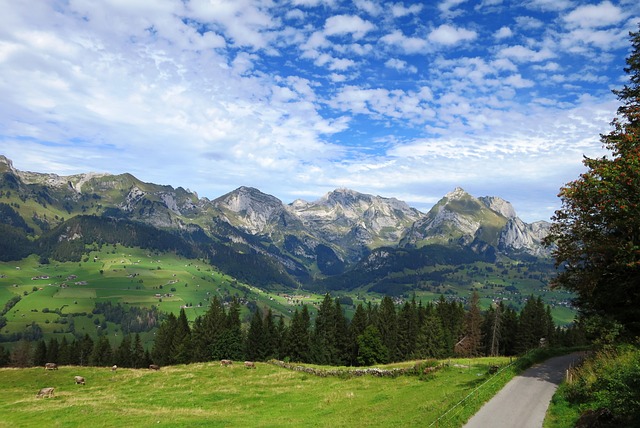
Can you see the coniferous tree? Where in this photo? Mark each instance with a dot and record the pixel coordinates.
(64, 352)
(282, 334)
(52, 350)
(341, 336)
(137, 353)
(472, 344)
(299, 336)
(40, 357)
(359, 323)
(324, 346)
(84, 348)
(408, 328)
(182, 340)
(122, 354)
(256, 338)
(102, 354)
(387, 324)
(371, 349)
(163, 346)
(431, 341)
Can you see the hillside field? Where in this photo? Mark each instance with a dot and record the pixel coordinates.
(207, 394)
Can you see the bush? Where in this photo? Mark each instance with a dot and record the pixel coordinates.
(610, 379)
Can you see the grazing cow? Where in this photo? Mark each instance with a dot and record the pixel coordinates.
(79, 380)
(250, 364)
(154, 367)
(114, 368)
(226, 362)
(45, 392)
(51, 366)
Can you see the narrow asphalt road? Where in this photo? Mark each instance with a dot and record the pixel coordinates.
(523, 402)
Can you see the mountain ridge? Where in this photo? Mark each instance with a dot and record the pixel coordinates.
(319, 239)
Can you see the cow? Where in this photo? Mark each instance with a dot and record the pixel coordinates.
(45, 392)
(250, 364)
(114, 368)
(154, 367)
(226, 362)
(51, 366)
(79, 380)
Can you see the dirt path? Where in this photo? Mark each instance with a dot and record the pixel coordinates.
(523, 402)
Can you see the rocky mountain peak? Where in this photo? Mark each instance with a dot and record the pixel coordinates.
(456, 194)
(499, 205)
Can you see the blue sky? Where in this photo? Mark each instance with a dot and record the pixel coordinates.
(300, 97)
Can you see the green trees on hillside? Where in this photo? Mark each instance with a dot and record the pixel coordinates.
(597, 229)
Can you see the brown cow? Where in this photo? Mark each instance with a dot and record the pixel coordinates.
(250, 364)
(51, 366)
(79, 380)
(226, 362)
(154, 367)
(45, 392)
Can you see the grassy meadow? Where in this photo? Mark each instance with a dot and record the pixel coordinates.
(208, 394)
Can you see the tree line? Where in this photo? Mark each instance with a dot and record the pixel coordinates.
(376, 334)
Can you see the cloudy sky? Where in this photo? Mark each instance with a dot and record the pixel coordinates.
(299, 97)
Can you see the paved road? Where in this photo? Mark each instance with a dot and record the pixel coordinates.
(523, 402)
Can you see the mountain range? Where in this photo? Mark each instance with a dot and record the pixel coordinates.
(344, 240)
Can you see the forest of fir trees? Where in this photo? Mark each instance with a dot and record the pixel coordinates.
(377, 334)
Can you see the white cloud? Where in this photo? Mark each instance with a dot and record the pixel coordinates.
(409, 45)
(521, 53)
(400, 65)
(345, 24)
(594, 16)
(448, 35)
(503, 33)
(399, 10)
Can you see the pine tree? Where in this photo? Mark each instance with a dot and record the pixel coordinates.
(163, 345)
(299, 336)
(123, 352)
(431, 342)
(182, 353)
(137, 353)
(387, 325)
(472, 346)
(256, 338)
(102, 354)
(40, 357)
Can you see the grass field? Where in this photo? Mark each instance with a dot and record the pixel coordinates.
(210, 395)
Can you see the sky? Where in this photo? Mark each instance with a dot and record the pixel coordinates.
(300, 97)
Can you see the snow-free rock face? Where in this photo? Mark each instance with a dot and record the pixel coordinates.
(253, 211)
(368, 219)
(499, 205)
(517, 236)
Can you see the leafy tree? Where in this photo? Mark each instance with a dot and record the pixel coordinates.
(596, 231)
(163, 347)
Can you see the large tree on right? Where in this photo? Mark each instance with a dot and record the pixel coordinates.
(596, 232)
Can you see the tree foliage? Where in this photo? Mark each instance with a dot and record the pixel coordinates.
(596, 232)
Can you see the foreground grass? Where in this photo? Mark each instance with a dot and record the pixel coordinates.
(209, 395)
